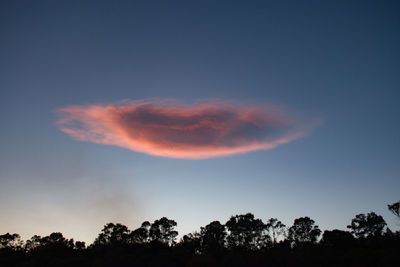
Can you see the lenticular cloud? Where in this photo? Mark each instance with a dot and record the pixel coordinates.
(169, 129)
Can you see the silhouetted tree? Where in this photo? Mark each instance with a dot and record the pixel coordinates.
(370, 225)
(395, 209)
(337, 238)
(303, 231)
(112, 235)
(275, 229)
(191, 243)
(80, 245)
(163, 231)
(213, 237)
(141, 234)
(56, 241)
(248, 239)
(246, 232)
(11, 242)
(33, 243)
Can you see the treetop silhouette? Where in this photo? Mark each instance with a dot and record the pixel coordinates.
(242, 237)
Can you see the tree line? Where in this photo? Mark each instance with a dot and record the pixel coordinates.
(242, 241)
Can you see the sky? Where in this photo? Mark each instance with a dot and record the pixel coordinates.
(127, 111)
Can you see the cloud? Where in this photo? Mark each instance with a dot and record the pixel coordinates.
(167, 128)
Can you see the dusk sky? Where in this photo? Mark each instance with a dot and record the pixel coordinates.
(127, 111)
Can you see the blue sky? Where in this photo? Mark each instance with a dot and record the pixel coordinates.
(338, 61)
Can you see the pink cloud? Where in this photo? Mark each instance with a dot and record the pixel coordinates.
(169, 129)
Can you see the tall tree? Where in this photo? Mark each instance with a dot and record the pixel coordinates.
(163, 231)
(112, 235)
(213, 237)
(141, 234)
(370, 225)
(275, 229)
(246, 232)
(304, 231)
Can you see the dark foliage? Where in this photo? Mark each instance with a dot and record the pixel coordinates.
(369, 225)
(303, 232)
(246, 232)
(212, 238)
(242, 241)
(395, 209)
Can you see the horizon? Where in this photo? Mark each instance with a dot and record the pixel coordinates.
(181, 235)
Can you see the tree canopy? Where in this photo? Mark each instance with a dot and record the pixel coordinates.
(369, 225)
(304, 230)
(243, 240)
